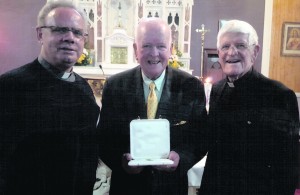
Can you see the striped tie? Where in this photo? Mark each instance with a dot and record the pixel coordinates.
(152, 102)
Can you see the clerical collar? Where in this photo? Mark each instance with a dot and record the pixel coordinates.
(239, 80)
(230, 84)
(66, 76)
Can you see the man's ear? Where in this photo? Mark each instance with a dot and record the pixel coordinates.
(39, 34)
(255, 53)
(135, 50)
(256, 50)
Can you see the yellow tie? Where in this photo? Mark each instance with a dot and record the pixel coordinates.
(152, 102)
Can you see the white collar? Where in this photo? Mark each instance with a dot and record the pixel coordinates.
(66, 75)
(158, 82)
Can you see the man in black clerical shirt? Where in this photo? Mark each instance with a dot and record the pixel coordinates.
(48, 113)
(255, 123)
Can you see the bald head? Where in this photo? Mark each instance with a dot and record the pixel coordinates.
(153, 44)
(154, 24)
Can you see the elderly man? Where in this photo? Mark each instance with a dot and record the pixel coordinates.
(255, 123)
(48, 114)
(181, 101)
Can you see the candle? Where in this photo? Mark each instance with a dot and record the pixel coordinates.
(207, 89)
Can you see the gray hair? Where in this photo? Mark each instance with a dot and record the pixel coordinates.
(51, 5)
(238, 26)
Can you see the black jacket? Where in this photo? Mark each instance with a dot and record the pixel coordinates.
(254, 138)
(47, 132)
(182, 100)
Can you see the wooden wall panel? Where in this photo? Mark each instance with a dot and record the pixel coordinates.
(284, 68)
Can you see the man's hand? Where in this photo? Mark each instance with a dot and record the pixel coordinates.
(174, 156)
(130, 169)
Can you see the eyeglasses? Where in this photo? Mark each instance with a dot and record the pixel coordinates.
(63, 30)
(238, 47)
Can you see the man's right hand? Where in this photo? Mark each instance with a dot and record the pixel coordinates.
(130, 169)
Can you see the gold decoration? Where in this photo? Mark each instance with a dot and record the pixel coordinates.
(174, 58)
(85, 58)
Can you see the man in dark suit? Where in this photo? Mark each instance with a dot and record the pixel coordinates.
(181, 101)
(255, 123)
(48, 114)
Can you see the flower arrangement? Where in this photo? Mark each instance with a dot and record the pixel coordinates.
(173, 60)
(85, 58)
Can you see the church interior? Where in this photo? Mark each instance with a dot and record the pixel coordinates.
(194, 24)
(111, 33)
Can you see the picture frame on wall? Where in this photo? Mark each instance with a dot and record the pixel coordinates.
(290, 42)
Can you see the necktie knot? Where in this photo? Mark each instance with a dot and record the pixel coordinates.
(152, 86)
(152, 102)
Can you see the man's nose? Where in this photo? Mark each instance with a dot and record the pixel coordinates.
(69, 36)
(232, 50)
(154, 51)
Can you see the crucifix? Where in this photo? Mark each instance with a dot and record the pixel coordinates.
(202, 31)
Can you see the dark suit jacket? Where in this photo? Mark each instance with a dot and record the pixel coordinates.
(123, 100)
(47, 127)
(254, 136)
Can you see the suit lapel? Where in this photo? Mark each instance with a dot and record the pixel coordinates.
(164, 103)
(139, 100)
(138, 104)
